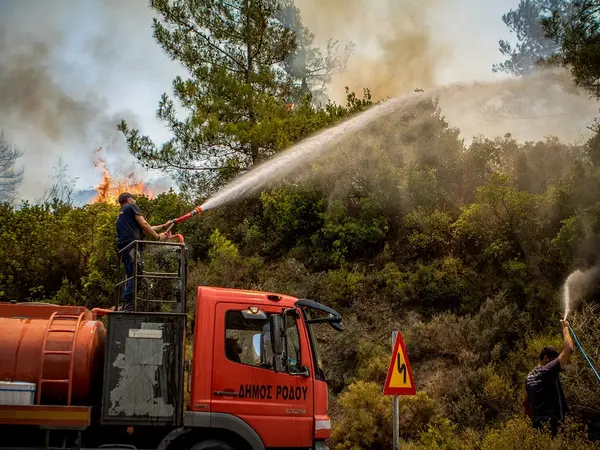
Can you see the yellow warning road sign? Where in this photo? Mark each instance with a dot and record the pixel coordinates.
(399, 379)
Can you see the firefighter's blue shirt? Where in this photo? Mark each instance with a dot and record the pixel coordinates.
(128, 230)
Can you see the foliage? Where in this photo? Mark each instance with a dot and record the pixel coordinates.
(584, 388)
(247, 61)
(518, 433)
(402, 226)
(533, 47)
(308, 68)
(55, 249)
(577, 34)
(367, 422)
(441, 434)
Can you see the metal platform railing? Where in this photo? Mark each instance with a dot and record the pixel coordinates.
(171, 300)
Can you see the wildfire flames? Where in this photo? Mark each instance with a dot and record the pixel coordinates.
(109, 188)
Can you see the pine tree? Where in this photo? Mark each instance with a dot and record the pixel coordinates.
(533, 47)
(308, 67)
(238, 54)
(578, 36)
(10, 176)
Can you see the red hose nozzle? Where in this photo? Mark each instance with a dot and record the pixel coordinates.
(173, 222)
(193, 212)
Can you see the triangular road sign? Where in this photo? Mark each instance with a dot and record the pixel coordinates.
(399, 379)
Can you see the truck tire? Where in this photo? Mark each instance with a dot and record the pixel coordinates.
(212, 444)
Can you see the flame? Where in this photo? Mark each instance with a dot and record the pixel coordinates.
(109, 188)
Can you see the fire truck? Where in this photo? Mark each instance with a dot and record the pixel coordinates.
(248, 378)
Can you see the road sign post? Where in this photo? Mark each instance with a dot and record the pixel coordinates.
(399, 381)
(396, 407)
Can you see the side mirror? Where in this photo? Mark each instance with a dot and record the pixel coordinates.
(277, 340)
(337, 325)
(333, 317)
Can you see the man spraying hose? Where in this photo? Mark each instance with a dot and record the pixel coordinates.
(545, 400)
(130, 227)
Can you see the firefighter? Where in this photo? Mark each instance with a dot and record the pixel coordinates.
(130, 227)
(544, 399)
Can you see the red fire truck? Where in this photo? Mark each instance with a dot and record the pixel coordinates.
(71, 377)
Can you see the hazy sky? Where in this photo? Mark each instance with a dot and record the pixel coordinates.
(70, 69)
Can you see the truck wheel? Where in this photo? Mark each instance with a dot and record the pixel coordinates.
(212, 444)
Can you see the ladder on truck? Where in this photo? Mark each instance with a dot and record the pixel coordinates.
(60, 323)
(57, 318)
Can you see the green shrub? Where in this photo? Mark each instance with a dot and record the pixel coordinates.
(518, 434)
(366, 421)
(441, 434)
(373, 361)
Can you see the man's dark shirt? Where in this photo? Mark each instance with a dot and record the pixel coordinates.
(128, 230)
(545, 393)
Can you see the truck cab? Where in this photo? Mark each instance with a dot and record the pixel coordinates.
(266, 379)
(108, 378)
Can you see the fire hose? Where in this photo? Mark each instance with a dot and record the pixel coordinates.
(173, 222)
(584, 353)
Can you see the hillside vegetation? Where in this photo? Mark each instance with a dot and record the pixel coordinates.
(462, 247)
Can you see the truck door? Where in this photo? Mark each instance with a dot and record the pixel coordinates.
(245, 383)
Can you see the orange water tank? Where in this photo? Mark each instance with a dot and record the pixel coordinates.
(65, 342)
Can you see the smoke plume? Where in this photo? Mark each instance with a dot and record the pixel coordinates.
(538, 105)
(401, 54)
(59, 79)
(53, 79)
(403, 45)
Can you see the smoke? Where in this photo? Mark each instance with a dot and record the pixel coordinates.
(69, 70)
(398, 52)
(543, 103)
(53, 76)
(403, 45)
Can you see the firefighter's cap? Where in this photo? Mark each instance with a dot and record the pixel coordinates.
(124, 197)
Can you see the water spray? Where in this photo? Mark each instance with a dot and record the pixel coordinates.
(567, 300)
(576, 284)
